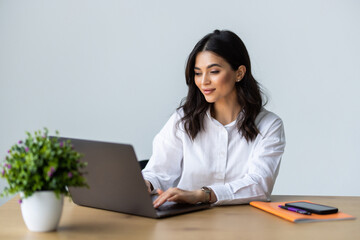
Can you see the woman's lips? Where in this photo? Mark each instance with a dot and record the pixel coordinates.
(208, 91)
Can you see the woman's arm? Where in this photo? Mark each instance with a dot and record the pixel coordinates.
(164, 167)
(183, 196)
(263, 169)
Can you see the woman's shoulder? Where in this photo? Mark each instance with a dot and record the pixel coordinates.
(174, 121)
(267, 115)
(176, 116)
(266, 119)
(179, 112)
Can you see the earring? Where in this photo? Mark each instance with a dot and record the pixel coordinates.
(238, 80)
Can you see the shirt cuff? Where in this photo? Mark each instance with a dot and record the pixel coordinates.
(154, 182)
(223, 193)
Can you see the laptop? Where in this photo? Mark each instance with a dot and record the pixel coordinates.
(116, 183)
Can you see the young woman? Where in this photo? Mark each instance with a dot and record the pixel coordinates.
(220, 146)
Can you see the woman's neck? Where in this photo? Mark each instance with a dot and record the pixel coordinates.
(225, 112)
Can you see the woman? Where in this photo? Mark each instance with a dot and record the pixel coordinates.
(221, 146)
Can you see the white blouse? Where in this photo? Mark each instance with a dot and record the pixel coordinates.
(219, 158)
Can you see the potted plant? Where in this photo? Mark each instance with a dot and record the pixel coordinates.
(41, 168)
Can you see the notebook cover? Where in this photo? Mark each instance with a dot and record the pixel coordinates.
(273, 207)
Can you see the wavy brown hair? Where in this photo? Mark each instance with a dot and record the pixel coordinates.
(230, 47)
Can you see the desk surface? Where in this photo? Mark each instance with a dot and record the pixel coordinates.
(224, 222)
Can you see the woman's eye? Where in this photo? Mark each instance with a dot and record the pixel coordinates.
(197, 74)
(215, 72)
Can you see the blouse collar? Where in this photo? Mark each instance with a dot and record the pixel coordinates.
(233, 123)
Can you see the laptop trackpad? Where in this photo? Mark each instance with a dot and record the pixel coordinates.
(172, 208)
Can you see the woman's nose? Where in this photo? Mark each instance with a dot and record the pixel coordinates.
(205, 79)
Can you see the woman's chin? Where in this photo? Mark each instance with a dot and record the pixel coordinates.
(209, 99)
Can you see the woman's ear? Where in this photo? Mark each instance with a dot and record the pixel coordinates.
(240, 73)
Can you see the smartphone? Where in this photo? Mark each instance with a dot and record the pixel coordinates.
(313, 208)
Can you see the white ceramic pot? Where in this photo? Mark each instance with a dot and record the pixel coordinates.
(42, 211)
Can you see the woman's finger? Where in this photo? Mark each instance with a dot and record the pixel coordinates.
(165, 196)
(160, 200)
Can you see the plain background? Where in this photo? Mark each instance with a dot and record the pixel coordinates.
(114, 71)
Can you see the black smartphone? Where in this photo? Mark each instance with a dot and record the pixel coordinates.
(313, 207)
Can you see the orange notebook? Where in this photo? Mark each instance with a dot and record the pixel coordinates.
(273, 207)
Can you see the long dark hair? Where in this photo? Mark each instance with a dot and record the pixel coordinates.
(230, 47)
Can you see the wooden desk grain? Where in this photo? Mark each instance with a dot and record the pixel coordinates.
(225, 222)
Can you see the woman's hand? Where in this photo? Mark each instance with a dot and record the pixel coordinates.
(180, 196)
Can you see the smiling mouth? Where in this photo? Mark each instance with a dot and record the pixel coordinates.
(208, 91)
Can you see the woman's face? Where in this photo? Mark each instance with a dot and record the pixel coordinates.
(215, 78)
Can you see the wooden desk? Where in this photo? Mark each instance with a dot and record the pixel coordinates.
(226, 222)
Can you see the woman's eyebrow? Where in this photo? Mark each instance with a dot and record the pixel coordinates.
(214, 65)
(210, 66)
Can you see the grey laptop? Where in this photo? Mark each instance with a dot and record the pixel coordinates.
(116, 183)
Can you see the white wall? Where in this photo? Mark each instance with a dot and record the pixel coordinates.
(114, 71)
